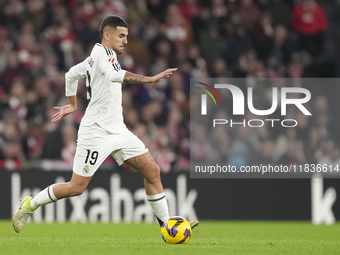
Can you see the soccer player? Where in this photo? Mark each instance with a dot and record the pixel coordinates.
(102, 131)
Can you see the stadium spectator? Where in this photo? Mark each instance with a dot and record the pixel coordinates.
(4, 47)
(209, 37)
(137, 47)
(310, 21)
(250, 13)
(189, 9)
(12, 72)
(279, 47)
(263, 33)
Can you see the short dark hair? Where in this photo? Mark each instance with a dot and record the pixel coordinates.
(111, 21)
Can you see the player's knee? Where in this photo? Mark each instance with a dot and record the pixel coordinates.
(153, 174)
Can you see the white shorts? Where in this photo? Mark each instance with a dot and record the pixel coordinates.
(95, 144)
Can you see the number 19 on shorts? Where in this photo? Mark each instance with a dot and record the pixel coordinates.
(91, 157)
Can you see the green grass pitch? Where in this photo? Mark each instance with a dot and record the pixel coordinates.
(210, 237)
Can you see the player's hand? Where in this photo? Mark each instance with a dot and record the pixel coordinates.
(63, 111)
(163, 75)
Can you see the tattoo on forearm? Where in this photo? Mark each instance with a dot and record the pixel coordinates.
(130, 77)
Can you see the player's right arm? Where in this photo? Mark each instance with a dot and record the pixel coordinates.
(71, 84)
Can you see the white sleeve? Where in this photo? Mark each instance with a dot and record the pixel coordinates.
(112, 70)
(72, 76)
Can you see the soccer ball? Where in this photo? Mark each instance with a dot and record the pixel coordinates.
(176, 230)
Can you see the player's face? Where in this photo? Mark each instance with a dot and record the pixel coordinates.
(118, 39)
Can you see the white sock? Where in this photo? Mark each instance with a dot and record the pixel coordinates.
(159, 207)
(44, 197)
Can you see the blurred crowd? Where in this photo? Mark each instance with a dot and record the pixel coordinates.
(41, 39)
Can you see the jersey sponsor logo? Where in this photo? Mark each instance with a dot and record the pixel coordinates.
(111, 60)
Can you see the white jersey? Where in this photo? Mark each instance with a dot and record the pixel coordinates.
(103, 81)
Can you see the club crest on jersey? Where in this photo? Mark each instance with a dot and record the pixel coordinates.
(86, 169)
(111, 59)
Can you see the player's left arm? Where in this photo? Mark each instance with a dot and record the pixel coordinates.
(116, 74)
(135, 78)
